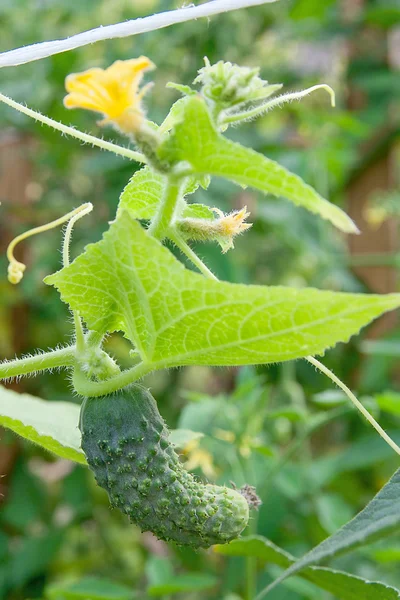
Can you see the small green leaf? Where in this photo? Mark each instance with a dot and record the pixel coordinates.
(190, 582)
(177, 317)
(158, 569)
(90, 588)
(293, 414)
(389, 402)
(195, 140)
(341, 585)
(51, 425)
(142, 195)
(176, 112)
(329, 398)
(381, 517)
(197, 211)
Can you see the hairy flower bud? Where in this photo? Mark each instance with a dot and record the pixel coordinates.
(222, 230)
(227, 85)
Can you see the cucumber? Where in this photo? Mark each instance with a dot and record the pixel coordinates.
(126, 444)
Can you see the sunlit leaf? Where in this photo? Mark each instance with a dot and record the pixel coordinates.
(196, 141)
(130, 282)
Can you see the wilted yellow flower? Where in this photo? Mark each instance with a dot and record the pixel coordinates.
(114, 92)
(233, 223)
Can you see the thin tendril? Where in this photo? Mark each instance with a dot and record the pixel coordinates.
(263, 108)
(16, 269)
(80, 212)
(355, 401)
(185, 248)
(85, 209)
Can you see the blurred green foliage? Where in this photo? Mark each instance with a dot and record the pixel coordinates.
(314, 463)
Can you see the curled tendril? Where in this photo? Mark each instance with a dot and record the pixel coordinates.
(16, 268)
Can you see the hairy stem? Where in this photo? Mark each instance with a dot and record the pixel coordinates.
(79, 135)
(355, 401)
(94, 339)
(191, 255)
(165, 214)
(84, 387)
(65, 357)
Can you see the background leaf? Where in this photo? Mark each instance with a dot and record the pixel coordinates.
(379, 518)
(343, 585)
(188, 582)
(181, 437)
(90, 588)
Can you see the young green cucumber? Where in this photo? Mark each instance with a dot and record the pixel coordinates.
(126, 444)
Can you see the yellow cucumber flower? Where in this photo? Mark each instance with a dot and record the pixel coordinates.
(114, 92)
(199, 458)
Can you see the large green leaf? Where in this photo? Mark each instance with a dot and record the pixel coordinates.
(54, 425)
(130, 282)
(51, 425)
(381, 517)
(196, 141)
(341, 585)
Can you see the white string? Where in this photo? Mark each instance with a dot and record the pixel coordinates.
(40, 50)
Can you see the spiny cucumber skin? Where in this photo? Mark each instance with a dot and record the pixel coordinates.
(126, 444)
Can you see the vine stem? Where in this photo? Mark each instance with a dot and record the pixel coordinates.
(355, 401)
(79, 135)
(191, 255)
(165, 214)
(85, 387)
(37, 51)
(65, 357)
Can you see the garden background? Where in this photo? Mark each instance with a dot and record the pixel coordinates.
(282, 428)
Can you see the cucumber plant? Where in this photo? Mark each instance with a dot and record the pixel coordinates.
(130, 282)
